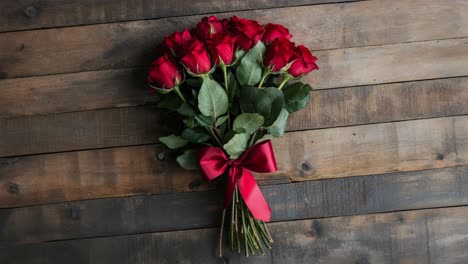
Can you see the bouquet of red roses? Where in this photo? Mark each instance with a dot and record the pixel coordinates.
(225, 86)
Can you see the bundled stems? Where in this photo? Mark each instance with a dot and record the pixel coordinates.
(245, 232)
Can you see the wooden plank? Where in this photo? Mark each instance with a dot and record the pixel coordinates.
(73, 92)
(79, 130)
(422, 236)
(313, 199)
(337, 107)
(131, 126)
(129, 44)
(31, 14)
(301, 156)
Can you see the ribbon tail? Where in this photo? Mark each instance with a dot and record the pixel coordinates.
(253, 196)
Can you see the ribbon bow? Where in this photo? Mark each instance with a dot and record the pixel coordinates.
(259, 158)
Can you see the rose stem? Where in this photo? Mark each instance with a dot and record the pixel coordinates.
(221, 234)
(236, 201)
(177, 91)
(268, 233)
(284, 81)
(265, 74)
(226, 86)
(211, 131)
(231, 225)
(244, 230)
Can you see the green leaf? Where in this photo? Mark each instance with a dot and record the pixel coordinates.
(205, 121)
(221, 120)
(239, 54)
(188, 160)
(233, 86)
(189, 122)
(278, 127)
(236, 145)
(268, 102)
(212, 99)
(173, 141)
(296, 96)
(249, 71)
(186, 110)
(170, 101)
(249, 122)
(195, 135)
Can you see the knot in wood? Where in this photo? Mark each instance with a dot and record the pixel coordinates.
(30, 11)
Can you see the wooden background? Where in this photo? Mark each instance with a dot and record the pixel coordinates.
(374, 170)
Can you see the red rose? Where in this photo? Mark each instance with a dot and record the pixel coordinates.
(196, 58)
(248, 32)
(274, 31)
(176, 42)
(207, 26)
(221, 47)
(303, 62)
(278, 54)
(164, 73)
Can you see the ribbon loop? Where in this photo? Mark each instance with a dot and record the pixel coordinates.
(259, 158)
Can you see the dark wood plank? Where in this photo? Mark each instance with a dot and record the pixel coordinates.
(73, 92)
(31, 14)
(422, 236)
(79, 130)
(128, 44)
(138, 125)
(301, 156)
(313, 199)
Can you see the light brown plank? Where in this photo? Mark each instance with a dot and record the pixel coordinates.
(136, 125)
(165, 212)
(413, 237)
(301, 156)
(128, 44)
(31, 14)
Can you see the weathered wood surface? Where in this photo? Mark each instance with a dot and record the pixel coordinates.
(129, 44)
(304, 155)
(32, 14)
(423, 236)
(139, 125)
(79, 130)
(313, 199)
(73, 92)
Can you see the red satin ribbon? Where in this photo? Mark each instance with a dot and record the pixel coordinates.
(259, 158)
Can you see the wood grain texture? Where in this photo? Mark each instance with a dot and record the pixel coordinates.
(313, 199)
(301, 156)
(423, 236)
(73, 92)
(329, 107)
(32, 14)
(129, 44)
(79, 130)
(139, 125)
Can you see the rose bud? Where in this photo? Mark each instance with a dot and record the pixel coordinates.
(196, 58)
(248, 32)
(176, 42)
(207, 26)
(164, 73)
(303, 62)
(221, 48)
(274, 31)
(278, 54)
